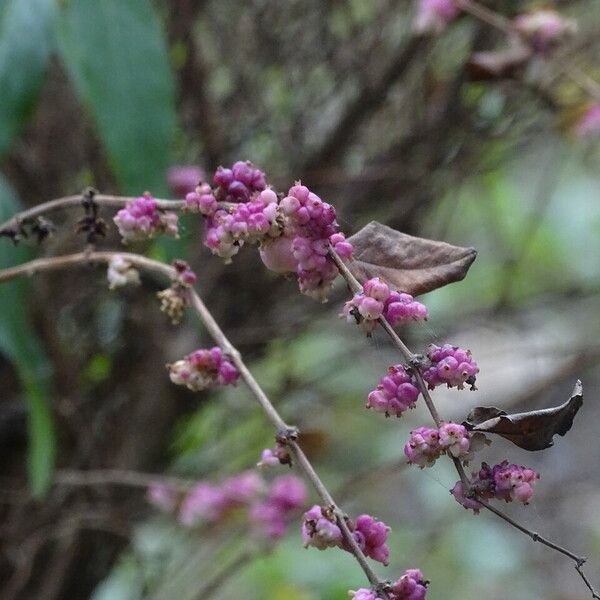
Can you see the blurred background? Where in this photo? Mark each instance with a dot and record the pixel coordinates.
(414, 128)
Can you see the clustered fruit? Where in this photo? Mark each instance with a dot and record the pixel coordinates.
(203, 369)
(411, 586)
(319, 529)
(141, 219)
(451, 366)
(426, 444)
(267, 507)
(395, 393)
(377, 300)
(296, 233)
(501, 482)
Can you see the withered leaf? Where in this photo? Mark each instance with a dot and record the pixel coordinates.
(496, 64)
(532, 430)
(408, 264)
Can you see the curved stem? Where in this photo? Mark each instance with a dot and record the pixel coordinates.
(141, 262)
(355, 286)
(73, 201)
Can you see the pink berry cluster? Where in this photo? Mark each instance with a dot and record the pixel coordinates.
(426, 444)
(433, 16)
(203, 369)
(267, 506)
(141, 219)
(395, 393)
(450, 365)
(411, 586)
(247, 222)
(249, 215)
(319, 529)
(377, 300)
(504, 481)
(309, 226)
(239, 183)
(294, 232)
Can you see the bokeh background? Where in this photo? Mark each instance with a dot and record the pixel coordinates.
(381, 122)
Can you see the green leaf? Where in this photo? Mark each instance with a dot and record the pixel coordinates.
(26, 38)
(116, 56)
(21, 346)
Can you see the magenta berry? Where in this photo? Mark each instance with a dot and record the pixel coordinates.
(238, 183)
(423, 448)
(401, 308)
(377, 300)
(141, 219)
(371, 536)
(320, 530)
(450, 365)
(396, 392)
(504, 481)
(411, 586)
(426, 445)
(203, 369)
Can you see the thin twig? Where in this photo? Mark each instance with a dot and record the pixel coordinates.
(141, 262)
(72, 201)
(121, 477)
(410, 357)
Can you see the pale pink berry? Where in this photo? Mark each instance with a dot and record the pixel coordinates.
(277, 255)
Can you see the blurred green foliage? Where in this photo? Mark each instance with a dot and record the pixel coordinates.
(19, 342)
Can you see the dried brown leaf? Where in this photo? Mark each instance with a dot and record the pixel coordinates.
(532, 430)
(406, 263)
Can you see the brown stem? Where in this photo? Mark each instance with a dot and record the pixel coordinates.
(72, 201)
(409, 356)
(61, 262)
(121, 477)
